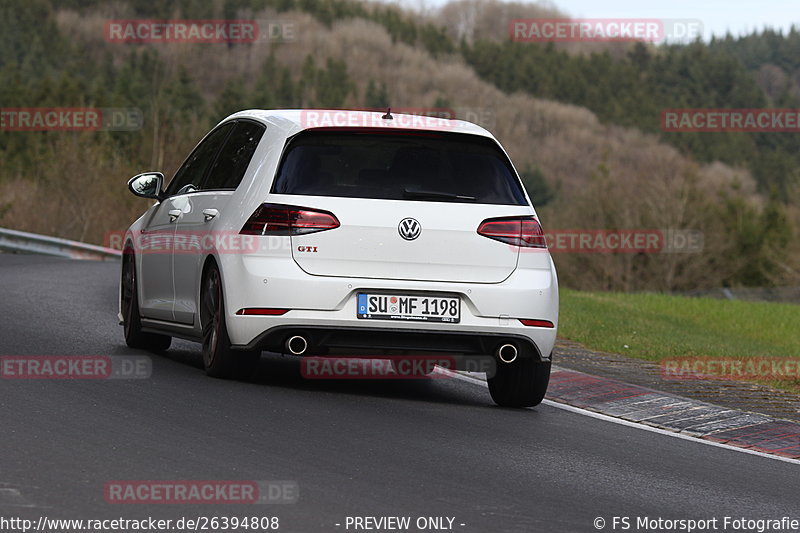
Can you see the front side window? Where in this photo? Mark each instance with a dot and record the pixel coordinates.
(191, 174)
(232, 162)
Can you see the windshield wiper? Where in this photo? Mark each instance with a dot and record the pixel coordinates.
(417, 193)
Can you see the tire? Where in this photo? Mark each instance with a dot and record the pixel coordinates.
(522, 383)
(219, 359)
(131, 319)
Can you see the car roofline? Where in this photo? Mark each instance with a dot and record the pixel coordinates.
(293, 121)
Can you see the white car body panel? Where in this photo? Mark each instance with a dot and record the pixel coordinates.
(368, 244)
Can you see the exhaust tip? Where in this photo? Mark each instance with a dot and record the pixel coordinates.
(507, 353)
(297, 345)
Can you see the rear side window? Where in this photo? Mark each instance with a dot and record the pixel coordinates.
(438, 167)
(232, 162)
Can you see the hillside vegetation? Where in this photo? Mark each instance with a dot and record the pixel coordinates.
(589, 156)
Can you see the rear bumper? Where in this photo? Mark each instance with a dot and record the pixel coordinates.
(382, 341)
(323, 309)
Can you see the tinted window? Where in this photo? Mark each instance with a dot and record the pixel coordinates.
(397, 166)
(191, 174)
(229, 168)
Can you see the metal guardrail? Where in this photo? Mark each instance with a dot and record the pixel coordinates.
(33, 243)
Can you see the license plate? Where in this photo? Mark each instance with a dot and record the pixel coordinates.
(399, 307)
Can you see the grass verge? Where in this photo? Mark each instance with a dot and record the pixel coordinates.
(658, 326)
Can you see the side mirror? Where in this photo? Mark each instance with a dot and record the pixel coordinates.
(147, 185)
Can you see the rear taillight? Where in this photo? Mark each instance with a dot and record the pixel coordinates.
(519, 231)
(276, 219)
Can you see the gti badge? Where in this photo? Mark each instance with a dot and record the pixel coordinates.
(409, 229)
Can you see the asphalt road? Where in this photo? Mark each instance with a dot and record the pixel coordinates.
(403, 448)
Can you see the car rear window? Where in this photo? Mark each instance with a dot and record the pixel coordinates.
(439, 167)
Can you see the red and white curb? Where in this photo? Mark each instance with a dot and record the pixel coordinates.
(636, 406)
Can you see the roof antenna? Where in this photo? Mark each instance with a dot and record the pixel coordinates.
(388, 115)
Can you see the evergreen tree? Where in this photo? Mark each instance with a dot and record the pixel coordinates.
(377, 96)
(333, 84)
(540, 192)
(231, 100)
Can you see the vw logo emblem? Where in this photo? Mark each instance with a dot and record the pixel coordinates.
(409, 228)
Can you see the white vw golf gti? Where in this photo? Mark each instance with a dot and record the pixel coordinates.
(344, 233)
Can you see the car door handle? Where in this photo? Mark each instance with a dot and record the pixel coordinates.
(174, 214)
(208, 214)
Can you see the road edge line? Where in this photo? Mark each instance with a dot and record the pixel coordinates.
(628, 423)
